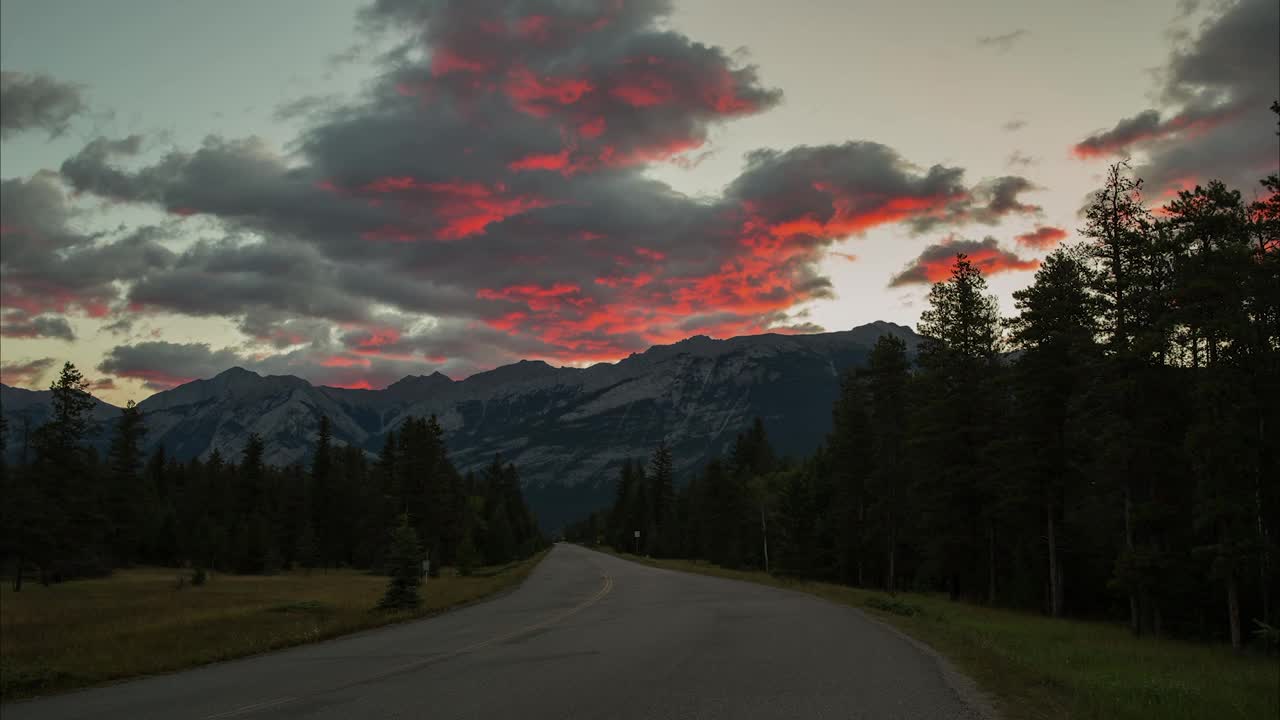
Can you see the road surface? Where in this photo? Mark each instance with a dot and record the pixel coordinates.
(586, 636)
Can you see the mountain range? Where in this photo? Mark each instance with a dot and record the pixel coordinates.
(566, 428)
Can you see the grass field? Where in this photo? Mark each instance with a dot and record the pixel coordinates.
(137, 622)
(1039, 668)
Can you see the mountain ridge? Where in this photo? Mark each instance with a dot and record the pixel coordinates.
(566, 428)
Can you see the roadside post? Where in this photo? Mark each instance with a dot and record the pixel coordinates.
(637, 535)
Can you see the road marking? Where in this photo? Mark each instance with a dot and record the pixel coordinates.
(605, 589)
(251, 708)
(600, 594)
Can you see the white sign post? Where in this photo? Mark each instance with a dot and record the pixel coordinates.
(637, 536)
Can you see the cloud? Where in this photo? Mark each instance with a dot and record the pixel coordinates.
(48, 265)
(1017, 158)
(1042, 238)
(26, 373)
(1014, 125)
(934, 264)
(303, 106)
(987, 202)
(1213, 120)
(17, 324)
(486, 199)
(1003, 43)
(37, 102)
(163, 365)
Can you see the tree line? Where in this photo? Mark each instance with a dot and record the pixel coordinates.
(69, 512)
(1109, 451)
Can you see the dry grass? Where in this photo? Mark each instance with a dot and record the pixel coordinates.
(137, 622)
(1037, 667)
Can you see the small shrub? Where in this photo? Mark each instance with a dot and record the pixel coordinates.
(198, 577)
(1268, 634)
(468, 556)
(303, 607)
(404, 565)
(894, 605)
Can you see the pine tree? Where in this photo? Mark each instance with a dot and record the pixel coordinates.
(662, 483)
(404, 565)
(307, 552)
(1055, 331)
(69, 512)
(886, 378)
(1128, 282)
(325, 509)
(958, 362)
(126, 501)
(850, 446)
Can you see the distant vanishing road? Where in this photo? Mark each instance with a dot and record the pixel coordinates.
(586, 636)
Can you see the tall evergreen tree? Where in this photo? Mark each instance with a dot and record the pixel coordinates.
(1055, 331)
(127, 501)
(886, 377)
(958, 359)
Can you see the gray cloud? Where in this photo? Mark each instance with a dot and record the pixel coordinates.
(37, 102)
(24, 373)
(934, 263)
(1003, 43)
(47, 265)
(1215, 90)
(18, 324)
(1017, 158)
(488, 202)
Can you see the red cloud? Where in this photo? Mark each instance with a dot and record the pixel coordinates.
(449, 210)
(1042, 237)
(934, 264)
(343, 361)
(538, 95)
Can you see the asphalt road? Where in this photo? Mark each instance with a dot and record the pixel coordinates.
(586, 636)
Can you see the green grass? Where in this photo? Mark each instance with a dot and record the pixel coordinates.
(137, 622)
(1037, 667)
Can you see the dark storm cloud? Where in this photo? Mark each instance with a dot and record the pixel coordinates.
(934, 263)
(18, 324)
(1002, 43)
(1215, 90)
(485, 200)
(48, 265)
(36, 102)
(162, 365)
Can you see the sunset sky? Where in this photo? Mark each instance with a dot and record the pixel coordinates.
(355, 192)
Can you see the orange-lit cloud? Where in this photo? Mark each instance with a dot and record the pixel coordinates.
(934, 264)
(1042, 237)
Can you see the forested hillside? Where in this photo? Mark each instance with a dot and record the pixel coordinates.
(1109, 451)
(69, 512)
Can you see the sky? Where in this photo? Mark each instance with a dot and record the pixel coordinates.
(352, 192)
